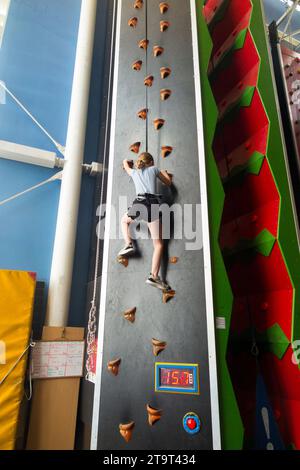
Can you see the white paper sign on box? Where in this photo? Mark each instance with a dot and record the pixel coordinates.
(54, 359)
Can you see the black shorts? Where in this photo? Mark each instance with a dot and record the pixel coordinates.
(145, 207)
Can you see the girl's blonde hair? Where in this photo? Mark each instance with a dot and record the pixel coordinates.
(144, 160)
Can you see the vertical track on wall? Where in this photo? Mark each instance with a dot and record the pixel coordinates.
(147, 89)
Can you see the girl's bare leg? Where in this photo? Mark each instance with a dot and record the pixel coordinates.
(125, 223)
(155, 230)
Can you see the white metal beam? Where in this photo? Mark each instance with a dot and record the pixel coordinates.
(30, 155)
(66, 228)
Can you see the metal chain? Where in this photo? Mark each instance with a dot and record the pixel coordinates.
(90, 340)
(92, 321)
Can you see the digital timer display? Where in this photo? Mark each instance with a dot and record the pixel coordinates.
(177, 378)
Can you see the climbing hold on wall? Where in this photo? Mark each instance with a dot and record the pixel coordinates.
(143, 44)
(173, 260)
(166, 151)
(132, 22)
(158, 346)
(138, 4)
(123, 261)
(165, 94)
(137, 65)
(149, 80)
(164, 25)
(129, 315)
(142, 114)
(154, 415)
(168, 295)
(126, 430)
(164, 7)
(165, 72)
(135, 148)
(113, 366)
(157, 51)
(158, 123)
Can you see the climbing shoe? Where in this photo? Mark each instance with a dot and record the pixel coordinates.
(127, 250)
(157, 282)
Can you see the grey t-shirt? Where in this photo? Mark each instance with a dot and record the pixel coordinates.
(145, 180)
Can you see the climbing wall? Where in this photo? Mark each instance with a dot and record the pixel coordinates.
(254, 241)
(140, 326)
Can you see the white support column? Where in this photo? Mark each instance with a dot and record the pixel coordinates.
(65, 237)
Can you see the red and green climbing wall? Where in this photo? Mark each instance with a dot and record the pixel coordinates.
(255, 250)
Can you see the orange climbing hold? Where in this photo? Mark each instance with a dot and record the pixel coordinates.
(158, 123)
(154, 415)
(126, 430)
(129, 315)
(164, 25)
(132, 22)
(165, 72)
(135, 148)
(166, 151)
(123, 261)
(137, 65)
(113, 366)
(165, 94)
(142, 114)
(138, 4)
(158, 346)
(168, 295)
(157, 51)
(149, 80)
(164, 7)
(143, 44)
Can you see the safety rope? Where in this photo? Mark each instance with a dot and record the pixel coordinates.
(30, 370)
(92, 321)
(31, 345)
(39, 185)
(57, 144)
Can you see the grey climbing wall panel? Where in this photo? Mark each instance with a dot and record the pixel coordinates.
(182, 322)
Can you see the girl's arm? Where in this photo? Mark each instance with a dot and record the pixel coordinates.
(127, 165)
(165, 177)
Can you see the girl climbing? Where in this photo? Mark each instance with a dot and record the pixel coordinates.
(146, 207)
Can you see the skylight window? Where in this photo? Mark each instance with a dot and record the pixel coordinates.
(4, 8)
(290, 3)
